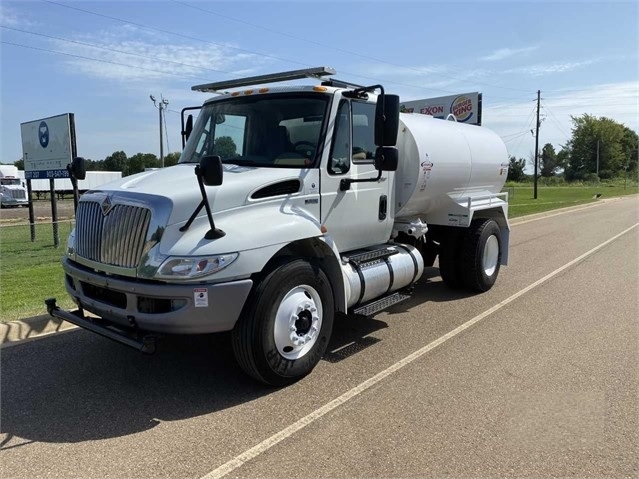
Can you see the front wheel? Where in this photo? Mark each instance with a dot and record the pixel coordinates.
(286, 325)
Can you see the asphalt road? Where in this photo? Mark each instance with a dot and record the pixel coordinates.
(546, 383)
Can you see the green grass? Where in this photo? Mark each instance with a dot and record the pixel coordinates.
(552, 197)
(30, 272)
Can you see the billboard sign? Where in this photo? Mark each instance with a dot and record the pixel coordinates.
(48, 146)
(466, 107)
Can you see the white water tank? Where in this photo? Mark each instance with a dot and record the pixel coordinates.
(441, 161)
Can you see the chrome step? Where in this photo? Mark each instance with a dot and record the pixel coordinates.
(381, 304)
(368, 256)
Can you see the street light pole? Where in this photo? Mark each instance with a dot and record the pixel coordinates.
(161, 106)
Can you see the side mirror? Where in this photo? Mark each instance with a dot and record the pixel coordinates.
(210, 170)
(77, 168)
(189, 127)
(386, 158)
(386, 120)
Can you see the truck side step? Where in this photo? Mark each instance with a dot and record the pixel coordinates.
(368, 256)
(381, 304)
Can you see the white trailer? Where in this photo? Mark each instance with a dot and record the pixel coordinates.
(93, 180)
(12, 190)
(290, 208)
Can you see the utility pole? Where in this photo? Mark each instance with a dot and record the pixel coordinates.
(161, 106)
(597, 157)
(537, 142)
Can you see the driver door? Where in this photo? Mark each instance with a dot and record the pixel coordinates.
(359, 216)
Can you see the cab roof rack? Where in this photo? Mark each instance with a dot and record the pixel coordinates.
(317, 72)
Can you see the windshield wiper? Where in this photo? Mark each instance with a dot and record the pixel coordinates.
(241, 162)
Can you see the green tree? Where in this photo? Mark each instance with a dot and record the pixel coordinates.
(548, 161)
(172, 158)
(611, 141)
(140, 161)
(117, 161)
(19, 163)
(224, 146)
(516, 169)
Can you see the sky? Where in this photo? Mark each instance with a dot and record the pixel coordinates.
(101, 61)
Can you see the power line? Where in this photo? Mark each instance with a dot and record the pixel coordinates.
(168, 32)
(342, 50)
(92, 45)
(516, 137)
(554, 119)
(529, 123)
(137, 67)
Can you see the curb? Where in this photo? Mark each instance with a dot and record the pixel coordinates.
(17, 332)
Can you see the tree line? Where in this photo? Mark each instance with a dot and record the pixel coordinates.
(614, 144)
(118, 161)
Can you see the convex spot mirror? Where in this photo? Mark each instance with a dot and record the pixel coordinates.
(77, 168)
(386, 120)
(210, 170)
(386, 158)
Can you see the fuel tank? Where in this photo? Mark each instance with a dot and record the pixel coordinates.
(441, 161)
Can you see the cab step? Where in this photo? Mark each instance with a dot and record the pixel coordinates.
(381, 304)
(369, 256)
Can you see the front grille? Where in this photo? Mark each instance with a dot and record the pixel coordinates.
(116, 239)
(18, 194)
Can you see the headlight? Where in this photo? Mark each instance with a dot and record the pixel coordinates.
(176, 267)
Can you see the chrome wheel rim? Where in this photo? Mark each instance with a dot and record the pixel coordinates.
(298, 322)
(491, 255)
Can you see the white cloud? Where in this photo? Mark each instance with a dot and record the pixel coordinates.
(129, 54)
(10, 18)
(503, 53)
(513, 121)
(419, 81)
(548, 68)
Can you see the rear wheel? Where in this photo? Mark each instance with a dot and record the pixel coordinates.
(481, 255)
(286, 325)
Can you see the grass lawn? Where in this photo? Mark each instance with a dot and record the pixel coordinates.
(31, 272)
(552, 197)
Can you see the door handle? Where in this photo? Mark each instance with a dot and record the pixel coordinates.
(383, 207)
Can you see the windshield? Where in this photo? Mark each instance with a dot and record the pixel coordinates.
(274, 130)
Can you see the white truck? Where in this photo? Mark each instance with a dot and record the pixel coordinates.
(290, 207)
(12, 190)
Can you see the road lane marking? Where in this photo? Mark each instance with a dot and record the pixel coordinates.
(285, 433)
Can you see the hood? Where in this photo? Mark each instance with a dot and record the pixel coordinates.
(179, 185)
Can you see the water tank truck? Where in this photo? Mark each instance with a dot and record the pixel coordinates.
(291, 207)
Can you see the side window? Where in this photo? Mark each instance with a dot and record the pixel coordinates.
(340, 159)
(363, 132)
(229, 136)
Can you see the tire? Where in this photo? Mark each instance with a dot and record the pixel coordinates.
(481, 255)
(286, 324)
(450, 259)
